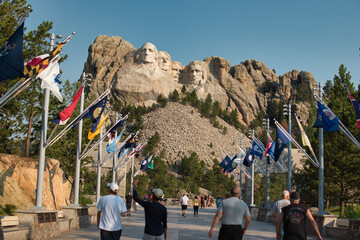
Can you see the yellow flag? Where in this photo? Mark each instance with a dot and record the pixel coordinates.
(91, 135)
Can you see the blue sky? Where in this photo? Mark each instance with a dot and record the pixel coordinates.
(314, 36)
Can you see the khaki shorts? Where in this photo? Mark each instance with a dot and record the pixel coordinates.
(151, 237)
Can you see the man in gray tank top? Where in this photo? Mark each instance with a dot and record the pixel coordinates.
(233, 211)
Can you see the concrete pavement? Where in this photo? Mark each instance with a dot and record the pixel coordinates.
(179, 228)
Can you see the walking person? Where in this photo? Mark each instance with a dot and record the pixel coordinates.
(110, 210)
(129, 201)
(233, 211)
(294, 218)
(278, 205)
(196, 204)
(155, 215)
(184, 202)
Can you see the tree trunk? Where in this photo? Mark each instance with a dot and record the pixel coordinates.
(29, 134)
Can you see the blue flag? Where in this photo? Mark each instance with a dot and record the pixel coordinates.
(271, 150)
(228, 164)
(11, 56)
(131, 143)
(257, 150)
(144, 164)
(111, 147)
(94, 112)
(249, 158)
(281, 142)
(326, 119)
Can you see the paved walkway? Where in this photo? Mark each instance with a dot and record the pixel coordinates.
(178, 228)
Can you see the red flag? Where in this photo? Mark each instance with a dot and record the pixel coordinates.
(66, 113)
(356, 107)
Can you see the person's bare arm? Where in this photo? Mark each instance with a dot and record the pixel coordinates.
(165, 233)
(214, 222)
(98, 218)
(314, 224)
(278, 224)
(247, 223)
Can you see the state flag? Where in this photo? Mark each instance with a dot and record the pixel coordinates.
(11, 56)
(326, 119)
(281, 142)
(64, 115)
(257, 150)
(356, 107)
(144, 164)
(249, 158)
(51, 79)
(91, 135)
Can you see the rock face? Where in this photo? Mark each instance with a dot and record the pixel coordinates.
(139, 76)
(18, 182)
(187, 131)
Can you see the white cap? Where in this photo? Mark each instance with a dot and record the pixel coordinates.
(113, 186)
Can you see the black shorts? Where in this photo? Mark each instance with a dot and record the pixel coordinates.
(234, 232)
(183, 207)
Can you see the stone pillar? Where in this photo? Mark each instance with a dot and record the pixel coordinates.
(92, 212)
(263, 214)
(80, 216)
(322, 221)
(254, 210)
(43, 223)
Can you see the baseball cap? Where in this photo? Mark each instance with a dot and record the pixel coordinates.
(295, 196)
(158, 192)
(113, 186)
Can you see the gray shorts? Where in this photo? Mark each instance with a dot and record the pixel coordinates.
(151, 237)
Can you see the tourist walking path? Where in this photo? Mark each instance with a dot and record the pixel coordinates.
(179, 228)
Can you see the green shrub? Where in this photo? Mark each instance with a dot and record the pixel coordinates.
(352, 212)
(84, 200)
(10, 209)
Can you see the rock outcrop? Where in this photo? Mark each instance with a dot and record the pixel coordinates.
(139, 76)
(18, 182)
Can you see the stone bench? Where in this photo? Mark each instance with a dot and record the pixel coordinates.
(12, 230)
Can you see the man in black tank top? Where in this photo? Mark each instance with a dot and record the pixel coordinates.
(294, 219)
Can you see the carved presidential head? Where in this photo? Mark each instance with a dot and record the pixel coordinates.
(148, 53)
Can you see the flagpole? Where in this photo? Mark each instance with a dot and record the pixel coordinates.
(98, 182)
(321, 164)
(266, 125)
(241, 145)
(132, 175)
(41, 165)
(287, 111)
(114, 157)
(252, 174)
(78, 151)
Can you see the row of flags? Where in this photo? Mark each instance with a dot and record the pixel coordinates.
(325, 119)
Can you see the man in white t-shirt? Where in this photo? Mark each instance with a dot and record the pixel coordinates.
(184, 202)
(110, 209)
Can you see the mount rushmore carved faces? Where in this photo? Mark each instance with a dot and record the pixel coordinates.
(148, 53)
